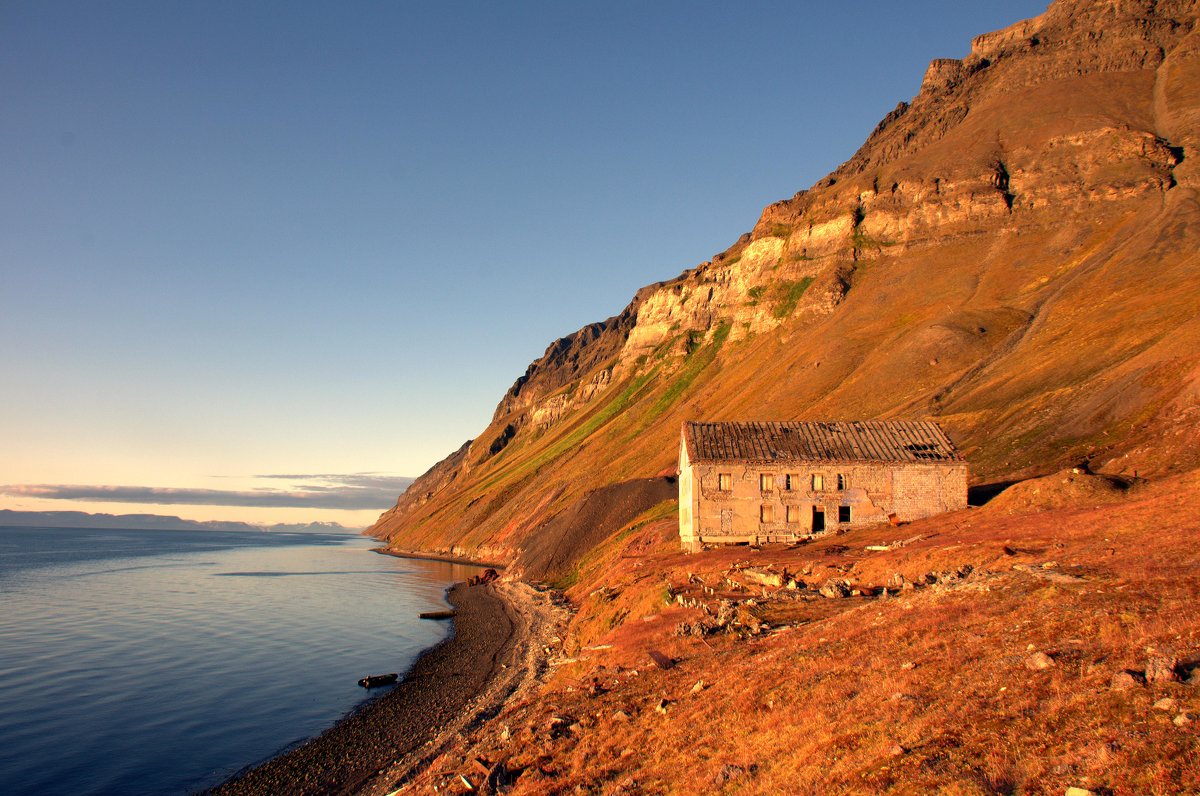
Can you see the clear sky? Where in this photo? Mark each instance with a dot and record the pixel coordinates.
(320, 240)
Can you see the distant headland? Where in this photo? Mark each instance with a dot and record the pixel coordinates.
(155, 522)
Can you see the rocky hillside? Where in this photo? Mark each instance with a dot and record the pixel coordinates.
(1013, 252)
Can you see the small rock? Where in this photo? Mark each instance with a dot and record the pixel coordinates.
(1166, 703)
(698, 687)
(896, 750)
(1076, 791)
(731, 773)
(1182, 719)
(1126, 679)
(1162, 669)
(661, 706)
(908, 665)
(833, 589)
(1038, 661)
(620, 715)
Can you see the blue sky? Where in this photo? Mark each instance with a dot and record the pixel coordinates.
(245, 239)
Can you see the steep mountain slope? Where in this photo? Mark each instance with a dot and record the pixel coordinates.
(1014, 253)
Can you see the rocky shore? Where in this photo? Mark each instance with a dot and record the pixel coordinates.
(495, 649)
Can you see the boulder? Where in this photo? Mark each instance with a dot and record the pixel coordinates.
(765, 577)
(834, 589)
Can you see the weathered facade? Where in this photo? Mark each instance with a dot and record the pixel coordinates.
(759, 482)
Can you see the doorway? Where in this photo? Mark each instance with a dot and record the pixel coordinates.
(818, 522)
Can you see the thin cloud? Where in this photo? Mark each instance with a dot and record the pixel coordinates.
(364, 480)
(377, 492)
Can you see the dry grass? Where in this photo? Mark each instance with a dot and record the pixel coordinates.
(924, 692)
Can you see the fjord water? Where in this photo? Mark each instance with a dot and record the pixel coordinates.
(159, 662)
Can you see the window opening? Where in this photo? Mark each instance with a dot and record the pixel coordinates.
(725, 482)
(843, 514)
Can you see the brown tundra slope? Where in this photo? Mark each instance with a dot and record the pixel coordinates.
(1013, 253)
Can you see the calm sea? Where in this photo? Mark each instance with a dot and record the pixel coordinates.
(161, 662)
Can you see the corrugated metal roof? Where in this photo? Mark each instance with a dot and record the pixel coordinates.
(853, 441)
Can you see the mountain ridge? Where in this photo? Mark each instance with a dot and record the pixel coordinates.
(1012, 252)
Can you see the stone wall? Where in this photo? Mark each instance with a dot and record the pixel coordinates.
(687, 502)
(783, 503)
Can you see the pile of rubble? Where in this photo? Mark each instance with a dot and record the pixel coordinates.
(726, 613)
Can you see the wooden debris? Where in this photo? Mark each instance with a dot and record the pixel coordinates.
(437, 615)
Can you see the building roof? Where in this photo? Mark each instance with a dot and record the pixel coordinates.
(855, 441)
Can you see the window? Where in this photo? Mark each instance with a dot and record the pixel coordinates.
(843, 514)
(818, 482)
(793, 514)
(725, 482)
(766, 482)
(791, 482)
(841, 480)
(765, 513)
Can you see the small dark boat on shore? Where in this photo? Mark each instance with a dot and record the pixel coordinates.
(376, 680)
(438, 615)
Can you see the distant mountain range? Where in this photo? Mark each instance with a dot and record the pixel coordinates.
(158, 522)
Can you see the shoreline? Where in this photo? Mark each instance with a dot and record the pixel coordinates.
(350, 755)
(494, 649)
(446, 558)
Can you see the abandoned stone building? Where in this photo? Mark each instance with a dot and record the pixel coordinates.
(760, 482)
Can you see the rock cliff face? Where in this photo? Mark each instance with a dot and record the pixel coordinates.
(1013, 252)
